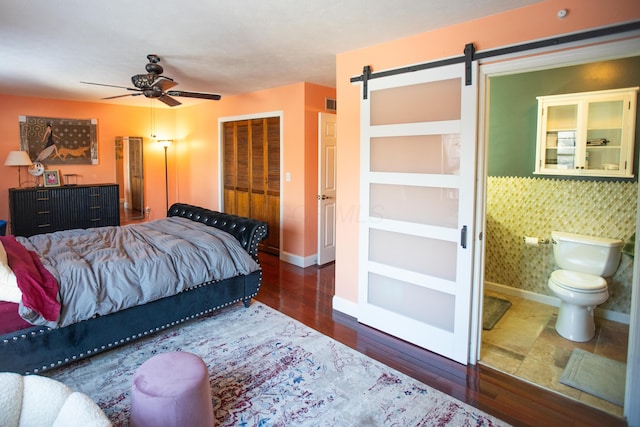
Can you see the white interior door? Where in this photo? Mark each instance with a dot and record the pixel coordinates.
(417, 207)
(327, 187)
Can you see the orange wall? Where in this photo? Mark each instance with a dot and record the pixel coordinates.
(520, 25)
(314, 103)
(197, 155)
(299, 104)
(290, 100)
(113, 121)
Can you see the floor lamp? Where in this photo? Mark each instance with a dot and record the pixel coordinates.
(19, 159)
(165, 144)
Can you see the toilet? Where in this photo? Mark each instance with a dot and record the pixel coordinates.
(584, 261)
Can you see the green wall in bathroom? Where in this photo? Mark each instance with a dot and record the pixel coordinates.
(513, 108)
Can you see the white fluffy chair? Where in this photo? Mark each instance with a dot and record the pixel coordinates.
(32, 400)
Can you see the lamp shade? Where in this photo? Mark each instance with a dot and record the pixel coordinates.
(18, 158)
(165, 142)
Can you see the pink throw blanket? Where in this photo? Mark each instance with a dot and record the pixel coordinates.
(39, 287)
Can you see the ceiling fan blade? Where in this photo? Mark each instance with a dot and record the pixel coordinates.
(164, 83)
(212, 96)
(117, 96)
(122, 96)
(169, 100)
(102, 84)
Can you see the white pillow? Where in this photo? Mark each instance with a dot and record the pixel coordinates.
(9, 290)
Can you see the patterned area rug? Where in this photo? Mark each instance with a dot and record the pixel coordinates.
(267, 369)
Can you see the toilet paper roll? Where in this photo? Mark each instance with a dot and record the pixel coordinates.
(531, 241)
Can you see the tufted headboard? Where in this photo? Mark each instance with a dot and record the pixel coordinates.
(249, 232)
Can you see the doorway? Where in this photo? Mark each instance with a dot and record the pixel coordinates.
(524, 343)
(130, 176)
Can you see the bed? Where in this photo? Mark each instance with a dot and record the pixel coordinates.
(32, 348)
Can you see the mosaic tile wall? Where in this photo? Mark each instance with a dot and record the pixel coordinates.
(518, 207)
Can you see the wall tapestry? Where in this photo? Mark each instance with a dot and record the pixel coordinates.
(59, 141)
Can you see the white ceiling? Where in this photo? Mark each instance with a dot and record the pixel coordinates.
(218, 46)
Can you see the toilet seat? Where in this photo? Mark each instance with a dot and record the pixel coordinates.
(578, 282)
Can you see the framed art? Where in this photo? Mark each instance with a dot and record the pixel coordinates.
(54, 141)
(52, 178)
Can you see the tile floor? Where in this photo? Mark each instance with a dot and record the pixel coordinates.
(524, 343)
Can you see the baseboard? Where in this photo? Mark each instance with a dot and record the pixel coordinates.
(553, 301)
(297, 260)
(345, 306)
(521, 293)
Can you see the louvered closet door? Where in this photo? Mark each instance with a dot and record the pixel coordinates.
(265, 178)
(417, 190)
(252, 173)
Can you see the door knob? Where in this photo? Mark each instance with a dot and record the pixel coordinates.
(323, 197)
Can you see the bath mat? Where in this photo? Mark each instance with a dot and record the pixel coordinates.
(493, 309)
(596, 375)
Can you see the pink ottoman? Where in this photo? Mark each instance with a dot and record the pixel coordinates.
(171, 389)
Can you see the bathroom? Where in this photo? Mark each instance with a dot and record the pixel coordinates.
(520, 203)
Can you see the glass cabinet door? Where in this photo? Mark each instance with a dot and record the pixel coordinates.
(604, 135)
(562, 124)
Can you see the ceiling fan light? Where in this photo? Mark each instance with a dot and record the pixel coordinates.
(142, 81)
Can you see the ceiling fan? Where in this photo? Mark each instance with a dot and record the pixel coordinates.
(155, 85)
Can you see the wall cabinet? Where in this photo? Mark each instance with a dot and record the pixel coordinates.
(587, 134)
(45, 210)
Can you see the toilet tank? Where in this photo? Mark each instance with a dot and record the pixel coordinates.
(586, 254)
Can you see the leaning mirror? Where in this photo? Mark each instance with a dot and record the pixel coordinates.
(130, 176)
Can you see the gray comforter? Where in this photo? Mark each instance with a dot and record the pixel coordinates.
(104, 270)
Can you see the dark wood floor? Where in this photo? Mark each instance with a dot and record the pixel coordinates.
(306, 295)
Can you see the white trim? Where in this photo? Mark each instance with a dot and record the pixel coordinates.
(559, 56)
(262, 115)
(632, 387)
(222, 120)
(298, 260)
(345, 306)
(595, 50)
(521, 293)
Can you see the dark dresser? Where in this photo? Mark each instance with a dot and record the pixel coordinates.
(47, 209)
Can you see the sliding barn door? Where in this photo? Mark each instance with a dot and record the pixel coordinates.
(417, 202)
(252, 173)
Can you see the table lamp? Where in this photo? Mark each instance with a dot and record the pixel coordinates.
(19, 159)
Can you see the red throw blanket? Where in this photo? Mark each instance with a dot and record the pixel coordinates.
(39, 287)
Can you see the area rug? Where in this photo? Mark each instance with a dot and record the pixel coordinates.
(267, 369)
(493, 309)
(597, 375)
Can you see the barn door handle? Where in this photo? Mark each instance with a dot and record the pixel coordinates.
(463, 237)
